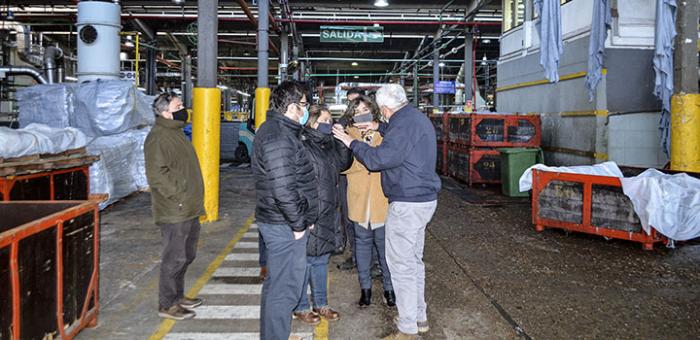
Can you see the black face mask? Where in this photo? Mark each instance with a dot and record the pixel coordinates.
(325, 128)
(363, 118)
(180, 115)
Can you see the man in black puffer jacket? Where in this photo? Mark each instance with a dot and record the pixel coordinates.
(286, 205)
(329, 158)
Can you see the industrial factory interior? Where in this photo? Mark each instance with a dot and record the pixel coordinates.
(361, 169)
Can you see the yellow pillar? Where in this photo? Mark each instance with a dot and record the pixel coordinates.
(262, 104)
(685, 132)
(206, 138)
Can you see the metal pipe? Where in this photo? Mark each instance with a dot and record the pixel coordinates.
(51, 55)
(436, 76)
(284, 55)
(143, 28)
(263, 40)
(390, 22)
(207, 44)
(468, 70)
(23, 71)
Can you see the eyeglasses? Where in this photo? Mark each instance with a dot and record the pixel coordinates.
(304, 104)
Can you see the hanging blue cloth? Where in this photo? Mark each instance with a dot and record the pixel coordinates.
(665, 32)
(600, 25)
(551, 46)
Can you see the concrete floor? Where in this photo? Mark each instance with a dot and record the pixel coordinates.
(489, 276)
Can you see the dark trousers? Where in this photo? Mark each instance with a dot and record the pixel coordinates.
(371, 248)
(286, 269)
(179, 250)
(348, 225)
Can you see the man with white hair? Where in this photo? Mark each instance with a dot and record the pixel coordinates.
(406, 158)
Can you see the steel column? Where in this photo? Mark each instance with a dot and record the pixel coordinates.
(468, 70)
(436, 76)
(416, 84)
(262, 93)
(284, 55)
(206, 117)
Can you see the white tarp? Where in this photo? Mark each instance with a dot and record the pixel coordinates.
(39, 139)
(603, 169)
(669, 203)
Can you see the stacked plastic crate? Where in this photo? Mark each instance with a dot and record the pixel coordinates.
(467, 143)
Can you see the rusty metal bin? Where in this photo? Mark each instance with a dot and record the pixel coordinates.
(49, 268)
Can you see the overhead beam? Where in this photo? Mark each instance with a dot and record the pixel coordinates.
(254, 21)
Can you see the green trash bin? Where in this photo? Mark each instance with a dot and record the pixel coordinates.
(514, 162)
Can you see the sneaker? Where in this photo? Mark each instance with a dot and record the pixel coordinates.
(327, 313)
(308, 317)
(349, 264)
(399, 335)
(176, 313)
(423, 326)
(188, 303)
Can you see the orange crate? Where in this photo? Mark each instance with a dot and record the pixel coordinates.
(588, 204)
(49, 268)
(474, 166)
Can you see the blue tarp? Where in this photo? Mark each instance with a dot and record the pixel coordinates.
(551, 46)
(596, 46)
(663, 65)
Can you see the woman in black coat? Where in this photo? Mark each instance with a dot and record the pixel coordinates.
(329, 158)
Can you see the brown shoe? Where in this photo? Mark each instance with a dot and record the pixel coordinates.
(400, 336)
(176, 312)
(263, 273)
(327, 313)
(307, 317)
(188, 303)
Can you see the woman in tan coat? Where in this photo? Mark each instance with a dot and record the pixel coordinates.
(367, 205)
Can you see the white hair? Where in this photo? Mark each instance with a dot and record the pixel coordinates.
(391, 96)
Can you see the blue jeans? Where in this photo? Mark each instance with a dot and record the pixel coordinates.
(286, 263)
(317, 276)
(365, 241)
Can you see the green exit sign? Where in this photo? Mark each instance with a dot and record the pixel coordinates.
(352, 34)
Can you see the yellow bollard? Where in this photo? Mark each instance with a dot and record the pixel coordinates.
(206, 138)
(262, 104)
(685, 132)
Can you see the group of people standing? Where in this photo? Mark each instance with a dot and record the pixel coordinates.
(391, 195)
(369, 177)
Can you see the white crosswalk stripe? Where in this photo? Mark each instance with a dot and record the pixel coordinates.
(247, 245)
(231, 289)
(242, 257)
(237, 271)
(226, 336)
(228, 312)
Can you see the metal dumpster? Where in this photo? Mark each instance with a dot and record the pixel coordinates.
(49, 268)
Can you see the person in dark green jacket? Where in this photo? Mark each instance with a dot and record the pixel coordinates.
(177, 199)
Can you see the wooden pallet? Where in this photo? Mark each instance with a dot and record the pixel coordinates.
(43, 162)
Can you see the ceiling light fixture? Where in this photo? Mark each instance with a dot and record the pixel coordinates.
(486, 41)
(441, 64)
(129, 42)
(381, 3)
(356, 77)
(123, 56)
(354, 63)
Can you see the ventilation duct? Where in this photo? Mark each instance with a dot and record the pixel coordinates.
(99, 24)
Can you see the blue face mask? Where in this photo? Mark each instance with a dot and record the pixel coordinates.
(325, 128)
(305, 117)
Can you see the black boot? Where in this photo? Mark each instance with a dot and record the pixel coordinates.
(390, 298)
(366, 297)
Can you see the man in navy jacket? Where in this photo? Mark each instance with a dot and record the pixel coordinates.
(406, 159)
